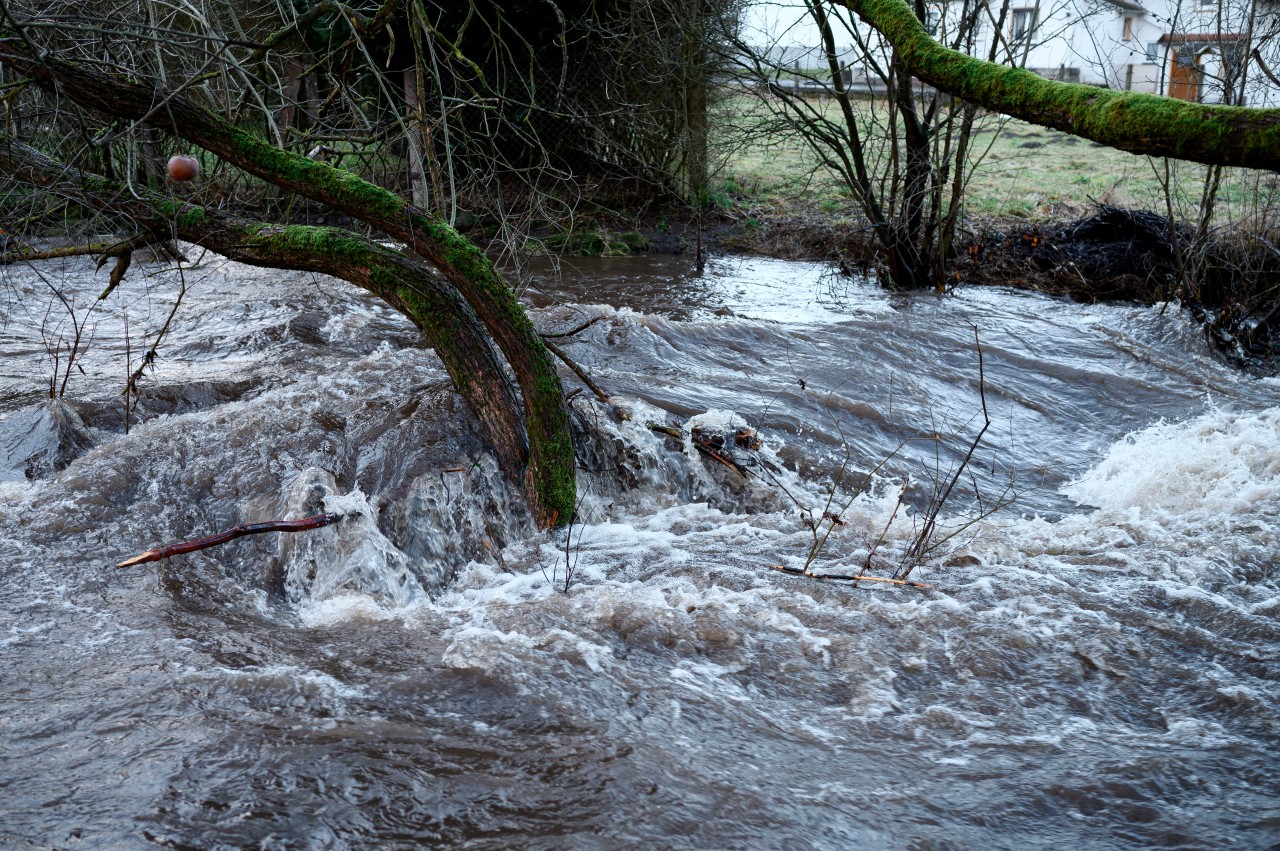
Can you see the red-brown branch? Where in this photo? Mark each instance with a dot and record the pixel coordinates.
(314, 522)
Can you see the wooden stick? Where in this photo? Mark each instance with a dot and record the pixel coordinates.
(586, 379)
(104, 251)
(577, 370)
(56, 253)
(702, 445)
(497, 555)
(669, 431)
(710, 450)
(313, 522)
(858, 578)
(578, 330)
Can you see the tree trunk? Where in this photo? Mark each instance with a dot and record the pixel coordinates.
(909, 268)
(413, 139)
(549, 477)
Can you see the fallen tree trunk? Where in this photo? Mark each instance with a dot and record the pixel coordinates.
(408, 285)
(549, 477)
(1143, 124)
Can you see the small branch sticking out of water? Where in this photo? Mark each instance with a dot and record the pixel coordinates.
(314, 522)
(924, 542)
(492, 548)
(577, 370)
(496, 553)
(840, 578)
(586, 379)
(572, 331)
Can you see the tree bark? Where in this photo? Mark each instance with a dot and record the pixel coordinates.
(1142, 124)
(413, 140)
(408, 285)
(549, 477)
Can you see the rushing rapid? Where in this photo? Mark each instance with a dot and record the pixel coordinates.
(1095, 661)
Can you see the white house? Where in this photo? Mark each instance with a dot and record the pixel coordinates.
(1212, 51)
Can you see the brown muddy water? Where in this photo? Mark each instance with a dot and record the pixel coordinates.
(1095, 665)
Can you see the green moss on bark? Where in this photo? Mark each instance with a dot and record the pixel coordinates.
(460, 261)
(1140, 123)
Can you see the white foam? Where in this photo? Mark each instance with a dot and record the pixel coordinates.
(343, 608)
(489, 651)
(305, 680)
(1219, 465)
(350, 558)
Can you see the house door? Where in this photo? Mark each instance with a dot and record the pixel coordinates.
(1184, 74)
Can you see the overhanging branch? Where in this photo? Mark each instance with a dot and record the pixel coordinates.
(1139, 123)
(550, 477)
(405, 283)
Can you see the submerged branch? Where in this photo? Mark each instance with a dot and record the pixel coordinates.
(844, 578)
(703, 445)
(577, 370)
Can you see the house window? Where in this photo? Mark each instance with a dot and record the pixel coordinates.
(1206, 4)
(1024, 23)
(1128, 29)
(1153, 52)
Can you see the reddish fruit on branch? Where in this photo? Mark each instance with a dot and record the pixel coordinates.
(183, 168)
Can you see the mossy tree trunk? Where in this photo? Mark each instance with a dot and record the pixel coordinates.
(549, 475)
(407, 284)
(1142, 124)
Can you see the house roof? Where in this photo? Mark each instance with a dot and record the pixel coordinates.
(1127, 5)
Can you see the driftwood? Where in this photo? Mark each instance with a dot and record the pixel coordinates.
(314, 522)
(703, 445)
(828, 577)
(618, 410)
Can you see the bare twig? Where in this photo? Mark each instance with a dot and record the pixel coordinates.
(577, 370)
(570, 564)
(128, 372)
(924, 540)
(496, 553)
(866, 565)
(819, 543)
(571, 332)
(149, 358)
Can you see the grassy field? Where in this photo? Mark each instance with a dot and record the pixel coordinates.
(1025, 171)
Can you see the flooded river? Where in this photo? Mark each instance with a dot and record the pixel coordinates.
(1094, 664)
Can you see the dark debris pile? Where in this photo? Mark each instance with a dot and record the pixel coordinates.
(1230, 280)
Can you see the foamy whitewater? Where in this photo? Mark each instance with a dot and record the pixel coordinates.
(1095, 661)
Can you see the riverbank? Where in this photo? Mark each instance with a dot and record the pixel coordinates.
(1228, 278)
